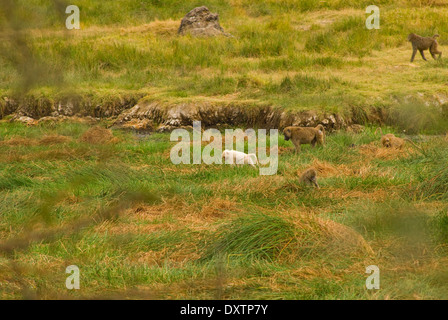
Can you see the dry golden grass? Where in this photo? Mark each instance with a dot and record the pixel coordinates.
(359, 168)
(345, 239)
(376, 195)
(54, 139)
(373, 150)
(46, 140)
(127, 228)
(177, 256)
(218, 208)
(54, 154)
(363, 169)
(166, 216)
(283, 150)
(325, 169)
(266, 185)
(157, 27)
(19, 141)
(309, 273)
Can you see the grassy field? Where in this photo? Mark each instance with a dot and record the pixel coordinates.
(138, 226)
(295, 55)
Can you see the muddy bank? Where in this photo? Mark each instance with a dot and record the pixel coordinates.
(168, 117)
(131, 112)
(37, 107)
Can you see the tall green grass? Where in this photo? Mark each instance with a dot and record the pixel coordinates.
(433, 184)
(252, 236)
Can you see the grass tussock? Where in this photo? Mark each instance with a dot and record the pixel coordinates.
(98, 135)
(326, 169)
(19, 141)
(373, 150)
(259, 236)
(434, 186)
(54, 139)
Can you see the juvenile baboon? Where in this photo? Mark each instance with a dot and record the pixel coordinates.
(391, 141)
(309, 178)
(237, 157)
(305, 135)
(424, 43)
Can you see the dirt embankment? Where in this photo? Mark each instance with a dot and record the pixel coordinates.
(144, 115)
(169, 117)
(37, 107)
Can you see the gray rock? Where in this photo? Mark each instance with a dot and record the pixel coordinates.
(201, 22)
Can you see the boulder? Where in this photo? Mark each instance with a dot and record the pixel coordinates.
(138, 125)
(355, 128)
(25, 120)
(201, 22)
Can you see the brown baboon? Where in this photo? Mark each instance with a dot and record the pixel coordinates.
(391, 141)
(424, 43)
(305, 135)
(309, 178)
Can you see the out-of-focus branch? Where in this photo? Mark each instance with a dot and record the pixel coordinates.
(110, 213)
(16, 47)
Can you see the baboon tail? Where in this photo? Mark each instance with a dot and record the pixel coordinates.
(419, 149)
(379, 130)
